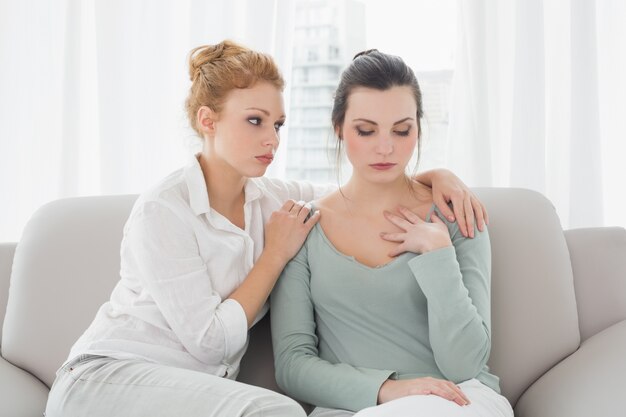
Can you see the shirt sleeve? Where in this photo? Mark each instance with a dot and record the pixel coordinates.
(161, 252)
(300, 372)
(456, 281)
(298, 190)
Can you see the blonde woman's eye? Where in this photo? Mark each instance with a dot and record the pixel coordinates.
(255, 121)
(277, 126)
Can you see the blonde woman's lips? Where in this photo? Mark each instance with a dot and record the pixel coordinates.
(266, 159)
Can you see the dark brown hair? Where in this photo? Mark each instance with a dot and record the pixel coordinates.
(380, 71)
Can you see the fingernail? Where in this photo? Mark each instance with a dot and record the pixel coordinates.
(451, 218)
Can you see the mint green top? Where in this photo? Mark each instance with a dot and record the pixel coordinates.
(341, 328)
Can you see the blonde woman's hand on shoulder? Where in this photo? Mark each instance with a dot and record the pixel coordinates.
(285, 233)
(417, 235)
(468, 209)
(287, 229)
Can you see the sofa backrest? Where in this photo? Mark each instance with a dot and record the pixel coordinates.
(65, 266)
(534, 316)
(67, 263)
(7, 251)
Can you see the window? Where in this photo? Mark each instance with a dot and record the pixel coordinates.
(328, 33)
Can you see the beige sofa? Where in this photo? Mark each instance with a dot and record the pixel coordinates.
(559, 304)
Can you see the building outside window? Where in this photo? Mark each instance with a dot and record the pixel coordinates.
(327, 34)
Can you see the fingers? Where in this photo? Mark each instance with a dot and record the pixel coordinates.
(410, 216)
(450, 392)
(311, 221)
(304, 211)
(288, 205)
(393, 237)
(459, 392)
(481, 213)
(469, 215)
(443, 207)
(297, 207)
(403, 224)
(434, 217)
(458, 205)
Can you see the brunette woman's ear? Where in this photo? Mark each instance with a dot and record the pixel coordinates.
(205, 120)
(338, 133)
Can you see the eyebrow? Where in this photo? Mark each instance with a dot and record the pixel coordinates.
(264, 112)
(374, 123)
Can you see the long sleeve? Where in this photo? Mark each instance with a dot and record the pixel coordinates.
(160, 252)
(299, 370)
(297, 190)
(456, 282)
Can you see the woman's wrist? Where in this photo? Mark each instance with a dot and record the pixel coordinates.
(382, 392)
(439, 244)
(272, 259)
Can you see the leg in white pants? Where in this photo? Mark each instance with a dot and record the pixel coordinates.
(98, 386)
(485, 402)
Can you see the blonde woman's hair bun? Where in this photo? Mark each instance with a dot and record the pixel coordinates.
(215, 70)
(204, 55)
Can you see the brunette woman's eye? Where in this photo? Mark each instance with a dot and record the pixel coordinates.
(361, 132)
(255, 121)
(403, 132)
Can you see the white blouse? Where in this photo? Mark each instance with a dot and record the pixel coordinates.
(180, 259)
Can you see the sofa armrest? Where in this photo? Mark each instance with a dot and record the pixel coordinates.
(598, 258)
(6, 263)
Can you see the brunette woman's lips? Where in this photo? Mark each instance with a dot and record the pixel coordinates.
(382, 167)
(266, 159)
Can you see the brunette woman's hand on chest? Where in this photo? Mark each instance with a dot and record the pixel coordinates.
(417, 235)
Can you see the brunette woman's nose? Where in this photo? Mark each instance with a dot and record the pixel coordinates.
(384, 145)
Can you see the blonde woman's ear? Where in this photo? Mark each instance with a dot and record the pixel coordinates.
(205, 119)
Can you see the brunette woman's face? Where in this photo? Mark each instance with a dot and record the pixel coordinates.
(380, 132)
(247, 129)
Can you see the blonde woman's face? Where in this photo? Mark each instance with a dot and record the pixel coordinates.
(380, 132)
(247, 132)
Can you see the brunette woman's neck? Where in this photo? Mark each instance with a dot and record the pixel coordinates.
(225, 188)
(373, 198)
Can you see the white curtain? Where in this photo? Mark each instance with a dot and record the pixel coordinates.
(538, 99)
(92, 91)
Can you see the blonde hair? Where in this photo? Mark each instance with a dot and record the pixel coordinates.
(215, 70)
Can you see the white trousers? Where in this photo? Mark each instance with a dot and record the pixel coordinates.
(484, 402)
(98, 386)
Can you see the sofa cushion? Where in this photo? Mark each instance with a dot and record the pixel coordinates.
(534, 317)
(64, 268)
(590, 382)
(22, 395)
